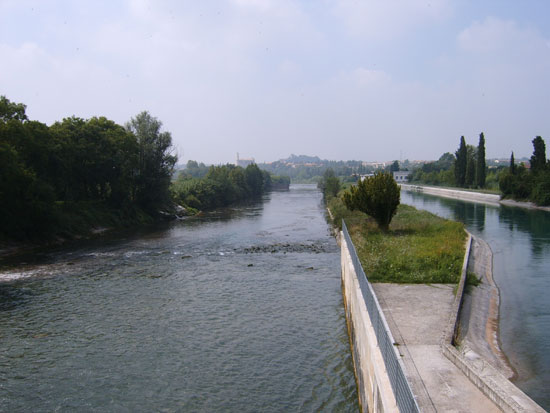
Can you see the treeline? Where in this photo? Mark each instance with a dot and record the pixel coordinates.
(306, 169)
(465, 169)
(59, 179)
(201, 188)
(531, 184)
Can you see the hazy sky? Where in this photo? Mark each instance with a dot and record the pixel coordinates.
(348, 79)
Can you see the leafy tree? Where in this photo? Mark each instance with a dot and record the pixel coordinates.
(10, 110)
(254, 179)
(538, 160)
(480, 166)
(394, 167)
(377, 196)
(461, 163)
(329, 184)
(541, 189)
(155, 161)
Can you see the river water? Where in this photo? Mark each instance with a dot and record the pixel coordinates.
(238, 310)
(520, 241)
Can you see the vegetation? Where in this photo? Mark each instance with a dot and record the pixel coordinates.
(532, 184)
(310, 169)
(77, 173)
(221, 185)
(329, 184)
(419, 247)
(377, 196)
(467, 168)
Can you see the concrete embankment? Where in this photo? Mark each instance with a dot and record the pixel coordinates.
(373, 383)
(455, 194)
(422, 326)
(471, 196)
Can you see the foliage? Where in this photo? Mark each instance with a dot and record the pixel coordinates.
(538, 160)
(418, 248)
(310, 169)
(394, 167)
(222, 185)
(461, 163)
(480, 166)
(519, 183)
(53, 175)
(377, 196)
(329, 184)
(471, 162)
(155, 161)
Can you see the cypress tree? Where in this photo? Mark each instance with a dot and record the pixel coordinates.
(461, 163)
(538, 160)
(512, 164)
(480, 166)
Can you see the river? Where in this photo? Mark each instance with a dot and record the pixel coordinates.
(520, 241)
(237, 310)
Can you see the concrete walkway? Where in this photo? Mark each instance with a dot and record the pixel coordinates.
(417, 316)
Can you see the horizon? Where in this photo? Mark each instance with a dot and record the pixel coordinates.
(352, 79)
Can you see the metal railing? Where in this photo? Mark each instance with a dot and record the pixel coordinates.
(394, 366)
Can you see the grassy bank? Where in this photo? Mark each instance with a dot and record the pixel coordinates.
(419, 247)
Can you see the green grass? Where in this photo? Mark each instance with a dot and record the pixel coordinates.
(418, 248)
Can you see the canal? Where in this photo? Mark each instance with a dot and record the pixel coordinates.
(520, 241)
(237, 310)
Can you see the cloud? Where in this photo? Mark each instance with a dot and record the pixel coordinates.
(383, 20)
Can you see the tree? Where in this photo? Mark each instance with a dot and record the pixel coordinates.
(377, 196)
(461, 163)
(329, 184)
(155, 161)
(394, 167)
(538, 160)
(480, 165)
(512, 164)
(11, 110)
(254, 179)
(470, 166)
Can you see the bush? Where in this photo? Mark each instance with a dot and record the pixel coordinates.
(377, 196)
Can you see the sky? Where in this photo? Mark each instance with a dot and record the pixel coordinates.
(370, 80)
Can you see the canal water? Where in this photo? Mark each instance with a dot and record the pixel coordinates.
(238, 310)
(520, 241)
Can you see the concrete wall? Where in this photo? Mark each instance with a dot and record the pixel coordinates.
(375, 391)
(455, 194)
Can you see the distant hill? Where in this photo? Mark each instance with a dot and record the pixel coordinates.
(301, 159)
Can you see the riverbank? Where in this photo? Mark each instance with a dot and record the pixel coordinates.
(472, 196)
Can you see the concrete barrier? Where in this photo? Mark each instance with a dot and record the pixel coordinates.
(455, 194)
(373, 383)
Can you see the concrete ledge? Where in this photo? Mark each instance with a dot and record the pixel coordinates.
(482, 374)
(455, 194)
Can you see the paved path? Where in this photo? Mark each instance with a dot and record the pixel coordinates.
(417, 316)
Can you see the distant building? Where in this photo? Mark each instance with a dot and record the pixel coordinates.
(401, 176)
(244, 162)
